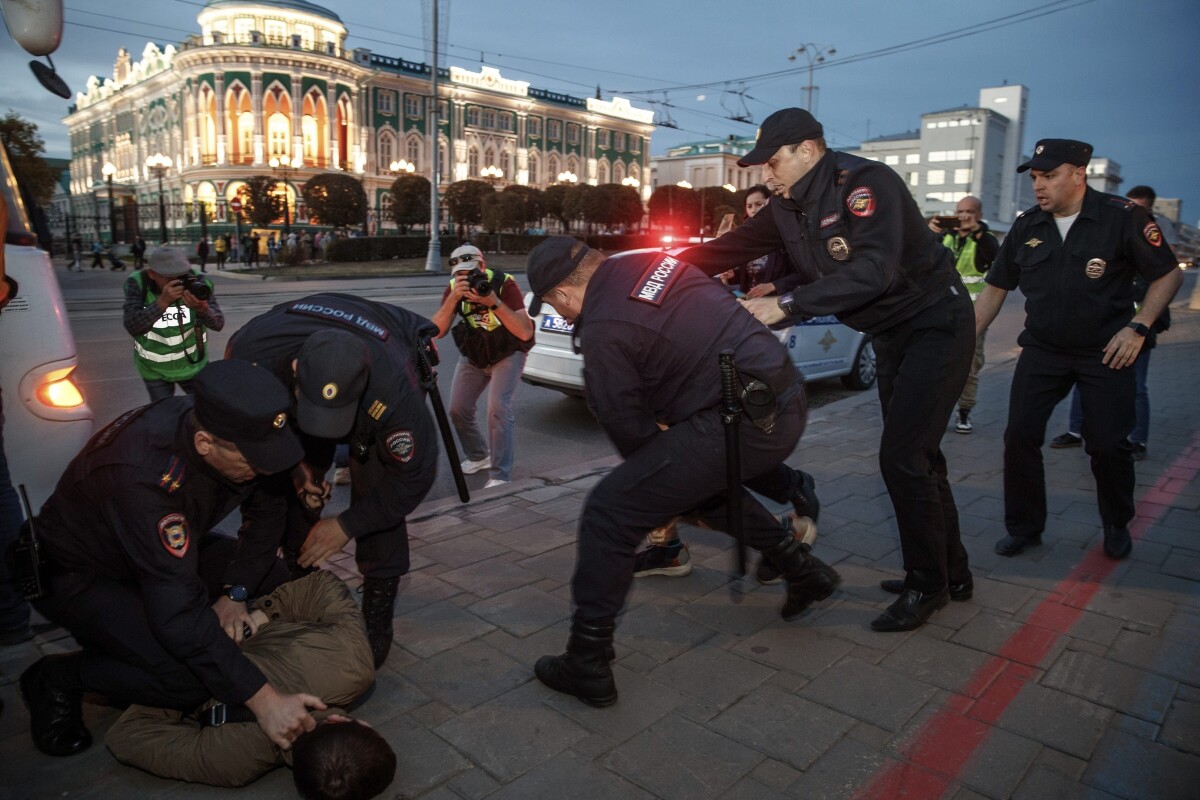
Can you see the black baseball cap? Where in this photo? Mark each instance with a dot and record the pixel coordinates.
(549, 264)
(786, 126)
(332, 370)
(248, 406)
(1049, 153)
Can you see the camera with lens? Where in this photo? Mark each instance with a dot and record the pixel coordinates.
(479, 283)
(196, 285)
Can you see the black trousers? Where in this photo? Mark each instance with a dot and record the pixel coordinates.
(1043, 378)
(922, 365)
(681, 471)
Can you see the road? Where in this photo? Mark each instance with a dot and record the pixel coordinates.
(553, 431)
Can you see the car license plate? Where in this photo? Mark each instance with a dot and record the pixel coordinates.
(556, 324)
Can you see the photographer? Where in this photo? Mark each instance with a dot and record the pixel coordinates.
(167, 309)
(493, 335)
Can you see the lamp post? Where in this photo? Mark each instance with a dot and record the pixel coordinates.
(285, 168)
(109, 169)
(567, 177)
(815, 53)
(158, 164)
(403, 166)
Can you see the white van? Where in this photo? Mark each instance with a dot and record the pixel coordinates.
(46, 419)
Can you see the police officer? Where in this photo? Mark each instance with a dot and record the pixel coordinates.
(122, 538)
(353, 366)
(1074, 257)
(652, 330)
(864, 253)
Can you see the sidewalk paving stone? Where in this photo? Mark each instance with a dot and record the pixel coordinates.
(786, 727)
(869, 693)
(1134, 768)
(1127, 689)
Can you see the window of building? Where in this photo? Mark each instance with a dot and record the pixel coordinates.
(278, 133)
(618, 172)
(489, 158)
(387, 150)
(489, 118)
(943, 124)
(891, 161)
(534, 176)
(473, 161)
(307, 35)
(572, 133)
(443, 111)
(635, 144)
(553, 129)
(385, 103)
(552, 169)
(962, 176)
(473, 116)
(912, 158)
(507, 121)
(414, 106)
(308, 127)
(275, 30)
(604, 139)
(931, 125)
(443, 163)
(914, 179)
(414, 151)
(937, 155)
(242, 27)
(602, 172)
(935, 177)
(506, 165)
(619, 141)
(533, 126)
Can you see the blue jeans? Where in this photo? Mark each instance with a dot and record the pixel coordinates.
(500, 381)
(1141, 403)
(14, 611)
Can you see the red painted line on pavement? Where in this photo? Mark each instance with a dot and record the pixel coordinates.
(948, 739)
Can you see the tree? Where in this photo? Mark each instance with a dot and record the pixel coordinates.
(464, 200)
(620, 206)
(530, 202)
(554, 203)
(336, 199)
(584, 202)
(675, 208)
(410, 200)
(25, 148)
(717, 202)
(503, 211)
(262, 200)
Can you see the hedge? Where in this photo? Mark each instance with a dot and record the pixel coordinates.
(384, 248)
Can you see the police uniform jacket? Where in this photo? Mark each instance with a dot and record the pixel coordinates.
(314, 642)
(652, 331)
(392, 415)
(857, 238)
(131, 508)
(1080, 292)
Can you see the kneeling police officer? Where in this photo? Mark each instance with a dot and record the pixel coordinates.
(652, 329)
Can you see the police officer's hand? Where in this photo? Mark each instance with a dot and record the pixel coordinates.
(1122, 349)
(306, 482)
(765, 309)
(326, 539)
(170, 294)
(233, 616)
(283, 717)
(762, 290)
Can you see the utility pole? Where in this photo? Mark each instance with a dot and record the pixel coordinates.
(433, 260)
(815, 53)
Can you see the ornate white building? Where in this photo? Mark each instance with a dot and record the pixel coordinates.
(271, 79)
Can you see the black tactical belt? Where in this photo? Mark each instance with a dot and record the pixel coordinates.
(220, 714)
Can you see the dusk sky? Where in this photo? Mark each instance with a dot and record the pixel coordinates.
(1122, 75)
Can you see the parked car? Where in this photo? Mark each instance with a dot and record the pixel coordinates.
(820, 348)
(47, 421)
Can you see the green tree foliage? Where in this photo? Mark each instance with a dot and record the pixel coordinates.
(675, 208)
(619, 206)
(464, 200)
(410, 200)
(584, 202)
(531, 204)
(25, 148)
(337, 199)
(718, 201)
(503, 211)
(262, 200)
(554, 203)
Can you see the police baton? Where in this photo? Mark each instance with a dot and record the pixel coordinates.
(731, 417)
(426, 359)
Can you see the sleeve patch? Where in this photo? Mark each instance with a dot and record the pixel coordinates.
(657, 280)
(173, 532)
(401, 445)
(861, 201)
(1153, 234)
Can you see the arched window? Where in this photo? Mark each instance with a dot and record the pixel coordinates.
(387, 150)
(208, 126)
(473, 162)
(618, 172)
(602, 171)
(534, 172)
(572, 165)
(239, 125)
(552, 169)
(314, 127)
(506, 165)
(414, 151)
(489, 158)
(277, 111)
(443, 162)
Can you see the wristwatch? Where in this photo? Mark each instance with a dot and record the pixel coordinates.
(1138, 328)
(237, 593)
(787, 304)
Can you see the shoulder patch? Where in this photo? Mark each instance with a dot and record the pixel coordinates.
(172, 478)
(840, 178)
(401, 445)
(861, 201)
(1122, 203)
(173, 532)
(1153, 234)
(657, 280)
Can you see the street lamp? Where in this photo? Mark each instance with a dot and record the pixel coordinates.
(631, 181)
(285, 168)
(567, 177)
(108, 170)
(729, 187)
(403, 166)
(491, 173)
(158, 164)
(815, 53)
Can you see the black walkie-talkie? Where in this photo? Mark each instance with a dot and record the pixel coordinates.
(29, 571)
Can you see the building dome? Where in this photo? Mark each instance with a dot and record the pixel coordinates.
(290, 5)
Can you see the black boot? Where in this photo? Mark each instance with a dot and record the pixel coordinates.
(916, 603)
(583, 671)
(808, 578)
(805, 499)
(52, 693)
(379, 600)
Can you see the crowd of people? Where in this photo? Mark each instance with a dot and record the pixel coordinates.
(193, 629)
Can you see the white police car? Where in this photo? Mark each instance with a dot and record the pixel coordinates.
(46, 420)
(820, 348)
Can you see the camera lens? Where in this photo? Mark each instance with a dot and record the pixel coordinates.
(197, 287)
(479, 284)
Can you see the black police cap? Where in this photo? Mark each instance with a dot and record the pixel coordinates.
(248, 406)
(786, 126)
(549, 264)
(1049, 153)
(332, 372)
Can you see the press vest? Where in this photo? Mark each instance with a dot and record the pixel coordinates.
(169, 351)
(480, 336)
(965, 262)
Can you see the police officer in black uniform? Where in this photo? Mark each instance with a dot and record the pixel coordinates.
(1074, 256)
(652, 330)
(121, 538)
(353, 365)
(865, 253)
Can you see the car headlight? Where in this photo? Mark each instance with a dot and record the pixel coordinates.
(57, 390)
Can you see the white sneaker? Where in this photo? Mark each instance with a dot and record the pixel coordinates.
(471, 467)
(493, 483)
(341, 476)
